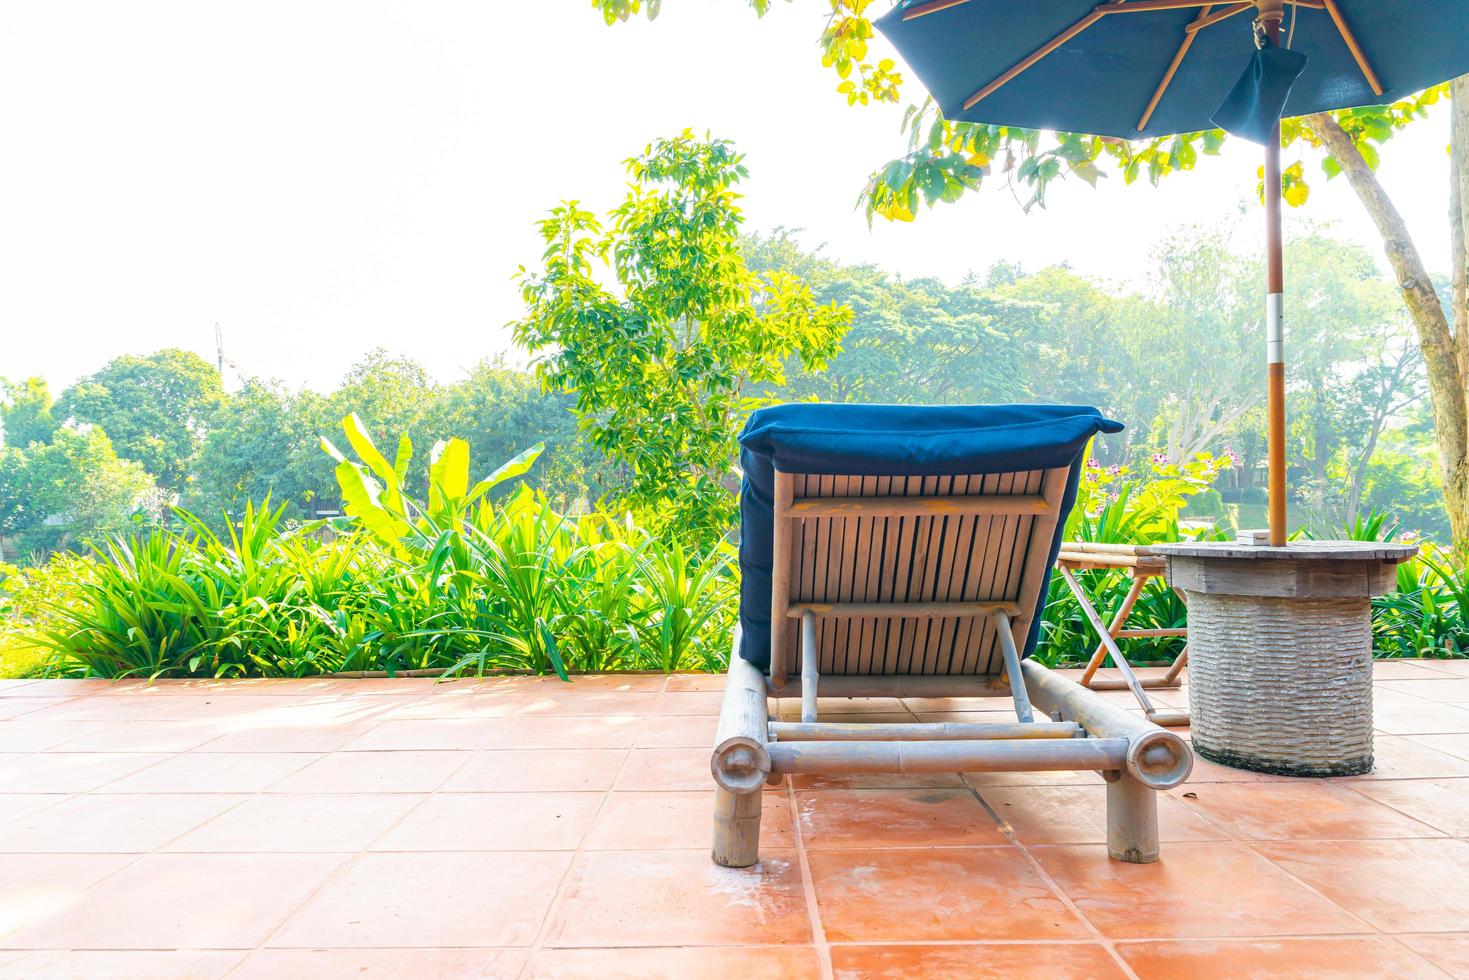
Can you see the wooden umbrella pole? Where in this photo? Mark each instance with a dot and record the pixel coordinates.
(1271, 14)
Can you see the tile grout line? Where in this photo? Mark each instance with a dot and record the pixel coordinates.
(347, 858)
(1415, 740)
(65, 798)
(561, 886)
(556, 896)
(1251, 847)
(1036, 866)
(132, 857)
(808, 882)
(1375, 931)
(244, 798)
(1403, 813)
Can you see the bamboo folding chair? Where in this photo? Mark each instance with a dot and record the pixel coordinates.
(1142, 564)
(904, 552)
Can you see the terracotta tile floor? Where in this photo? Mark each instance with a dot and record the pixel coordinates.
(522, 827)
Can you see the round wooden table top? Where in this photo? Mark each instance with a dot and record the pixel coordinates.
(1388, 551)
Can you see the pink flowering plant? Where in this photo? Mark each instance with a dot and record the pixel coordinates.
(1120, 505)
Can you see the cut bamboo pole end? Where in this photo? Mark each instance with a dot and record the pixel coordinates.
(1159, 759)
(740, 762)
(741, 766)
(1156, 757)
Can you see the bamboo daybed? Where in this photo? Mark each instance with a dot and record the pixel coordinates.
(904, 551)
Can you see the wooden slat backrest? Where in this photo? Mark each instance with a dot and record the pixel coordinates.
(981, 538)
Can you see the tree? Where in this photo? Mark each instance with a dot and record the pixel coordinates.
(1383, 390)
(71, 489)
(1211, 336)
(1402, 479)
(910, 341)
(662, 371)
(944, 160)
(501, 411)
(263, 441)
(155, 409)
(265, 438)
(1443, 337)
(1354, 367)
(1055, 335)
(26, 414)
(392, 394)
(1076, 344)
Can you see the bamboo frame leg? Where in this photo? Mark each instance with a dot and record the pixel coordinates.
(1157, 758)
(1108, 642)
(809, 676)
(1118, 621)
(736, 828)
(1132, 821)
(1006, 635)
(1170, 679)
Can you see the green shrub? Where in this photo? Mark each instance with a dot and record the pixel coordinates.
(1426, 615)
(451, 582)
(25, 595)
(456, 582)
(1206, 505)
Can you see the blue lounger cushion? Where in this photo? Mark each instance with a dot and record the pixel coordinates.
(893, 440)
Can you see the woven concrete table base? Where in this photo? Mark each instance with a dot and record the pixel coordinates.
(1280, 648)
(1283, 685)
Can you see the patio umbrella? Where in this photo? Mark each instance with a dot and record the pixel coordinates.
(1144, 68)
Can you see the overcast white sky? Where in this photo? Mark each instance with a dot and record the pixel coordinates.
(322, 177)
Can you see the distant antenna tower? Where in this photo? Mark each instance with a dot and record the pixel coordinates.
(219, 347)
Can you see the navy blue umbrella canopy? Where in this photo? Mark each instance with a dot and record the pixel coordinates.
(1142, 68)
(1102, 79)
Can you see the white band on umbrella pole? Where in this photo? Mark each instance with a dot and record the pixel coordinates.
(1274, 329)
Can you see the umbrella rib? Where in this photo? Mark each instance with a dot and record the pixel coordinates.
(932, 7)
(1188, 40)
(1215, 18)
(1098, 12)
(1035, 56)
(1150, 6)
(1353, 46)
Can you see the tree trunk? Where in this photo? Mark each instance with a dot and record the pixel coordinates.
(1321, 434)
(1459, 215)
(1441, 353)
